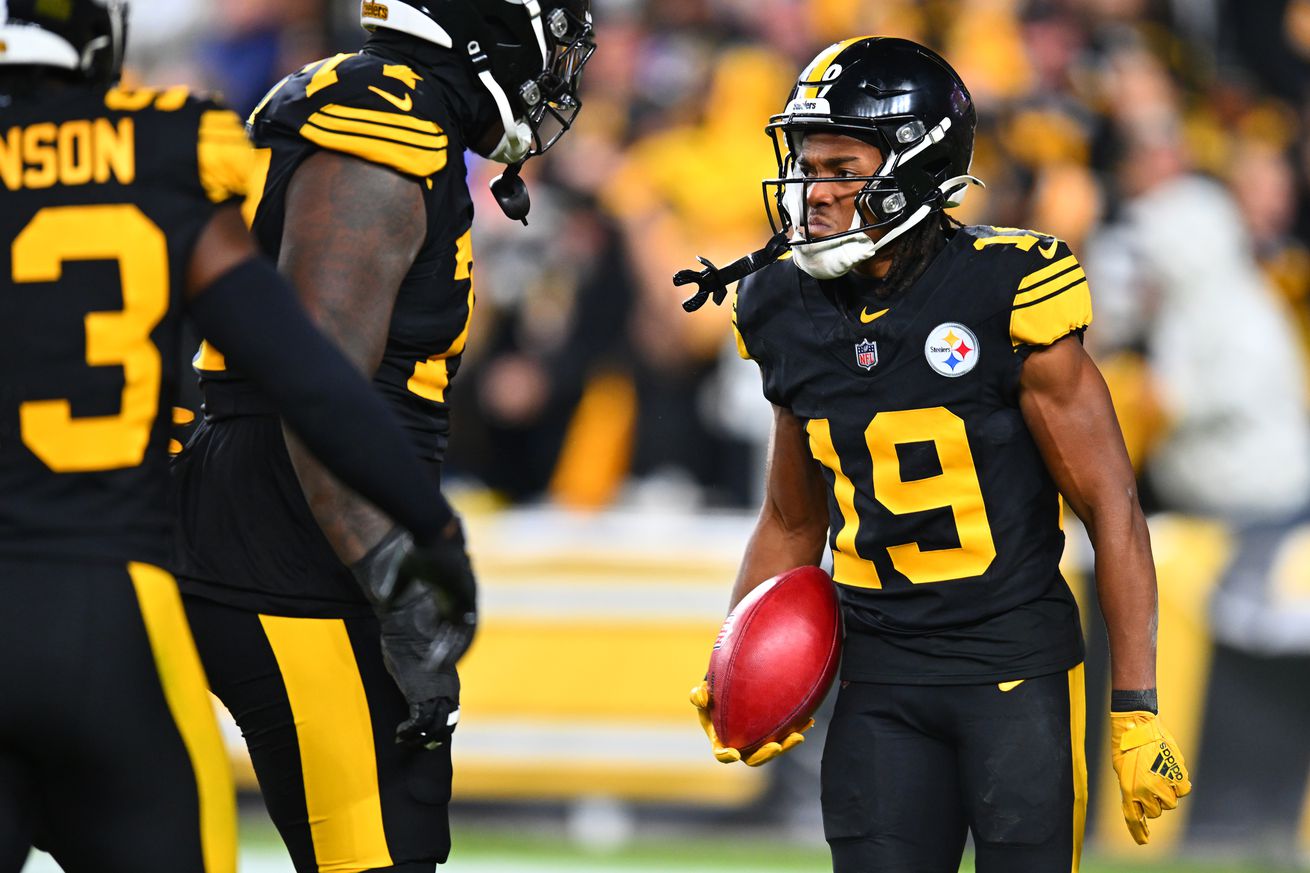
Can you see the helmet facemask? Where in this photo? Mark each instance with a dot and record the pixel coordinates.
(553, 97)
(906, 176)
(898, 97)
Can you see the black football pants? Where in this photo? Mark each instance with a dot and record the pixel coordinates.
(318, 711)
(110, 757)
(909, 770)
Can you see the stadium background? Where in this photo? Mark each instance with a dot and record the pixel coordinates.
(608, 447)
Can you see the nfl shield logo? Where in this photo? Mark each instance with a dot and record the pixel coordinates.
(866, 354)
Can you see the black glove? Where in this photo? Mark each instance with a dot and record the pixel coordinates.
(425, 600)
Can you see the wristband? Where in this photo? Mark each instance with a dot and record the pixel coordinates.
(1134, 701)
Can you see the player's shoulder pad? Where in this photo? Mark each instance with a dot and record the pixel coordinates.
(760, 296)
(363, 106)
(1040, 281)
(223, 155)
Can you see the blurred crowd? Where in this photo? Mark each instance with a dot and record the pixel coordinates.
(1163, 140)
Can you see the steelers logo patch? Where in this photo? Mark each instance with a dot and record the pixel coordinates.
(951, 349)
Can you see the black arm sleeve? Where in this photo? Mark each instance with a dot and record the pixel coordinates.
(253, 317)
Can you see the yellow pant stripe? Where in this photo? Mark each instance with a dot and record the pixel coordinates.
(1078, 737)
(335, 736)
(187, 693)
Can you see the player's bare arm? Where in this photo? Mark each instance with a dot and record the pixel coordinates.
(1068, 410)
(318, 392)
(222, 245)
(794, 518)
(356, 230)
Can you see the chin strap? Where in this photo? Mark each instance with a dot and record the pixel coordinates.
(713, 281)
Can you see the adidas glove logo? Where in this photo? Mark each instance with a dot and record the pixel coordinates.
(1165, 765)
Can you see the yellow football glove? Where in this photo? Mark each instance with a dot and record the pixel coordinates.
(1152, 774)
(700, 698)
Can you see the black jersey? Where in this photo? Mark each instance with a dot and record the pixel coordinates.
(945, 524)
(102, 197)
(368, 107)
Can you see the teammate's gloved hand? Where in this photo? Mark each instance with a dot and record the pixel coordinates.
(443, 570)
(1152, 774)
(700, 698)
(425, 603)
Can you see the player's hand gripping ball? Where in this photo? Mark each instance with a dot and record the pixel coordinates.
(773, 662)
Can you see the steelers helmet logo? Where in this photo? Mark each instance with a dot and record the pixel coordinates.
(951, 349)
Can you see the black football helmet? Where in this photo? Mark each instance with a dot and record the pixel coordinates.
(529, 54)
(896, 95)
(86, 37)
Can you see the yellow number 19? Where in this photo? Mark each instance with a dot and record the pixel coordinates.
(955, 487)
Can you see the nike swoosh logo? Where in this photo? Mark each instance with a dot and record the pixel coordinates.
(403, 105)
(1009, 686)
(866, 316)
(1048, 251)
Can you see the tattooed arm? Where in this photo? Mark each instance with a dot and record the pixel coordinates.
(353, 230)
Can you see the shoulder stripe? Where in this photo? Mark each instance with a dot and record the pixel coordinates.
(1047, 272)
(225, 156)
(387, 119)
(1075, 289)
(388, 150)
(1047, 320)
(336, 124)
(1049, 289)
(222, 124)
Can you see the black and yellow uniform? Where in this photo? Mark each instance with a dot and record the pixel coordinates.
(945, 524)
(103, 195)
(283, 626)
(376, 109)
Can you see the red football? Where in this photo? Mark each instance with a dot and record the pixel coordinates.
(774, 659)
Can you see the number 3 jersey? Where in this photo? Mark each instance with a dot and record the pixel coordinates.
(945, 526)
(102, 198)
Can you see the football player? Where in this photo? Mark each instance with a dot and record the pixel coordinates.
(932, 404)
(119, 211)
(364, 203)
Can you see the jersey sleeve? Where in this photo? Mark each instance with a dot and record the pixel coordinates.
(359, 106)
(1052, 299)
(225, 156)
(755, 329)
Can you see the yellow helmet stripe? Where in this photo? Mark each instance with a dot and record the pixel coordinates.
(818, 67)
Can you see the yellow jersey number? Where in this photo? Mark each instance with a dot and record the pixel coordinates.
(956, 488)
(120, 233)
